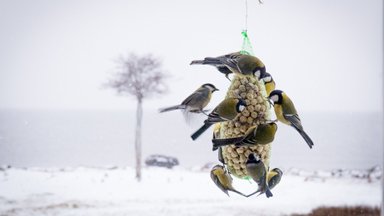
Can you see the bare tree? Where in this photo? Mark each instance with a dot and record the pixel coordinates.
(140, 77)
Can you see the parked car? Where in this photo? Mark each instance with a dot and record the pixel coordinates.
(161, 161)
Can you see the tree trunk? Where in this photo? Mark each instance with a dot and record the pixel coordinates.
(139, 114)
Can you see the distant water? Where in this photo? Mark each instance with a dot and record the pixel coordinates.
(106, 138)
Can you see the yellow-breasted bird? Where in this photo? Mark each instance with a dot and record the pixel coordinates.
(196, 101)
(261, 134)
(286, 113)
(227, 110)
(237, 63)
(274, 177)
(268, 82)
(223, 180)
(258, 172)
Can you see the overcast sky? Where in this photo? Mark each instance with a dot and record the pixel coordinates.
(326, 54)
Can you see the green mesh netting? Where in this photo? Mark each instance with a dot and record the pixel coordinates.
(247, 46)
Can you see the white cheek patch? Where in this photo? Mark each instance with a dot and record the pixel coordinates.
(267, 79)
(241, 108)
(275, 98)
(258, 73)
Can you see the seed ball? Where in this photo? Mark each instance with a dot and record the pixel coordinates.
(242, 165)
(236, 166)
(258, 107)
(243, 158)
(236, 84)
(229, 149)
(240, 151)
(259, 148)
(254, 115)
(235, 160)
(230, 124)
(243, 80)
(263, 108)
(243, 119)
(249, 96)
(249, 120)
(250, 108)
(230, 163)
(254, 101)
(235, 93)
(243, 94)
(263, 154)
(243, 128)
(237, 131)
(234, 154)
(245, 113)
(260, 99)
(242, 88)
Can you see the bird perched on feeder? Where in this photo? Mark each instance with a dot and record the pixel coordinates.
(286, 113)
(258, 172)
(274, 177)
(237, 63)
(223, 180)
(227, 110)
(196, 101)
(261, 134)
(268, 82)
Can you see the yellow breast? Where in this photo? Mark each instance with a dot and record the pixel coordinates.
(279, 114)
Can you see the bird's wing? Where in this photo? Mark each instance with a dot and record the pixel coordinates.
(196, 98)
(294, 119)
(214, 117)
(230, 62)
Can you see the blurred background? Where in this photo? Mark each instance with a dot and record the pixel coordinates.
(56, 57)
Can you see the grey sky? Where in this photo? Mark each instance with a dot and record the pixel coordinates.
(326, 54)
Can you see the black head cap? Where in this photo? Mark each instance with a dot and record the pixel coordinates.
(276, 96)
(210, 86)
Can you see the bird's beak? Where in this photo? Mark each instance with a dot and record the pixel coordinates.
(216, 89)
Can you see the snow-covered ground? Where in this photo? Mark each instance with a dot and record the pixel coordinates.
(114, 191)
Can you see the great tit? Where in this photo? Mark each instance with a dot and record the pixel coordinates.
(268, 82)
(237, 63)
(220, 67)
(196, 101)
(227, 110)
(260, 134)
(286, 113)
(274, 177)
(223, 179)
(258, 172)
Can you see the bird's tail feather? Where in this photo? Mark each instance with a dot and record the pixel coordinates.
(268, 193)
(200, 131)
(305, 136)
(197, 62)
(166, 109)
(207, 61)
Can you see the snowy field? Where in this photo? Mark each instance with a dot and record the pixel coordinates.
(114, 191)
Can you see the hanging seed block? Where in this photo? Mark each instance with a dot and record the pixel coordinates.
(257, 112)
